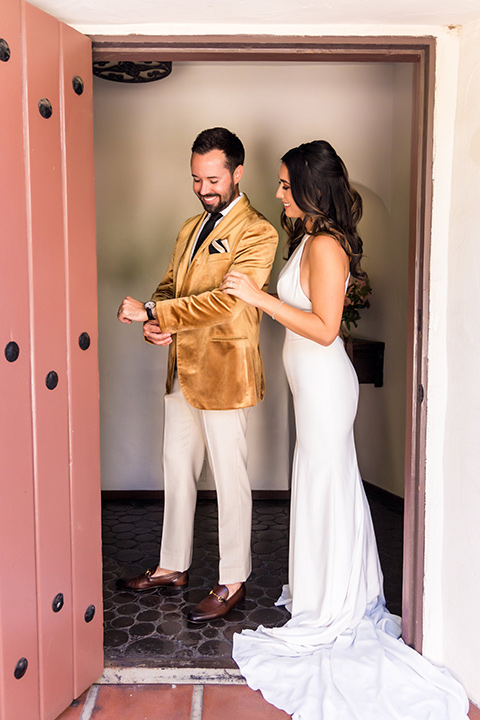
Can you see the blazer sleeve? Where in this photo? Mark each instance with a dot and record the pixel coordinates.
(165, 288)
(254, 255)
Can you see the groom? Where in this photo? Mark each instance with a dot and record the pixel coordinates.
(215, 370)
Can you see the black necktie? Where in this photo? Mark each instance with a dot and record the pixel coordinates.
(206, 230)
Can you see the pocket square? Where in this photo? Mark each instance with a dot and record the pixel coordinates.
(219, 246)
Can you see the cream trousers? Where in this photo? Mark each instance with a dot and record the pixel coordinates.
(188, 431)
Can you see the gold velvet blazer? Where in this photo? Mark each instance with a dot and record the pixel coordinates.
(216, 336)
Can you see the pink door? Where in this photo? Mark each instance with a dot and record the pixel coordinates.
(50, 545)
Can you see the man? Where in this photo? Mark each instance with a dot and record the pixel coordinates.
(215, 370)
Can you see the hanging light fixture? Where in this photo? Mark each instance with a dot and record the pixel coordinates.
(128, 71)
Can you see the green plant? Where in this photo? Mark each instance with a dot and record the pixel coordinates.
(356, 299)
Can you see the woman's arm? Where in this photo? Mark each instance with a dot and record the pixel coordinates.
(324, 269)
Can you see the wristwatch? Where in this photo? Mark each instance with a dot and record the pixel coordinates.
(149, 307)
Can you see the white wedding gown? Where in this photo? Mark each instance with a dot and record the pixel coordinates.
(339, 657)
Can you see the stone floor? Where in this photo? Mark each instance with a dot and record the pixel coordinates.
(151, 628)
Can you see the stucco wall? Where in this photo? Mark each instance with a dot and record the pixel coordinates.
(452, 569)
(461, 542)
(143, 136)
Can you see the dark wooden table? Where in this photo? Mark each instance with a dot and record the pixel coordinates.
(367, 359)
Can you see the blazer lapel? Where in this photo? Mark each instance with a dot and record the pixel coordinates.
(183, 265)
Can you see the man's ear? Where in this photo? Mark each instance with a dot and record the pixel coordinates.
(237, 174)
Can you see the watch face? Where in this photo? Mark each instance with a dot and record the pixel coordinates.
(150, 304)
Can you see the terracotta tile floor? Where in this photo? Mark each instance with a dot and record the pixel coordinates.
(170, 702)
(180, 702)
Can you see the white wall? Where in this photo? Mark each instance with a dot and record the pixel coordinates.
(143, 136)
(380, 425)
(461, 546)
(452, 568)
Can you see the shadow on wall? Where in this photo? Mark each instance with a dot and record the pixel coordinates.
(380, 423)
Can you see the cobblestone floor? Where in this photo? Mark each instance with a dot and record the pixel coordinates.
(151, 628)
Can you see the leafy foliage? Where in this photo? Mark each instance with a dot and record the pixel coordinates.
(356, 299)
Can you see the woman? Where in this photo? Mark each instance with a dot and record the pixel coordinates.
(339, 656)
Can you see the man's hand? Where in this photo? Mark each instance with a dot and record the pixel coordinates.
(153, 334)
(131, 311)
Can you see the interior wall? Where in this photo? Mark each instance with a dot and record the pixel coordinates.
(380, 425)
(143, 136)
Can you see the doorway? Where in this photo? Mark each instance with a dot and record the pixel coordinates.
(126, 254)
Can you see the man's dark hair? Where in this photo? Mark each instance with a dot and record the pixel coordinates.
(219, 138)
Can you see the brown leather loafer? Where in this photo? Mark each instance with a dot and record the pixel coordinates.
(216, 604)
(148, 582)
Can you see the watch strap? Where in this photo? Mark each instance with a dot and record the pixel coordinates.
(148, 308)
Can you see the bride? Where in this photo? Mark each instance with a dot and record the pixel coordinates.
(340, 656)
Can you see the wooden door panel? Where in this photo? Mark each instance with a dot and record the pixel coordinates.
(50, 400)
(19, 696)
(50, 548)
(82, 345)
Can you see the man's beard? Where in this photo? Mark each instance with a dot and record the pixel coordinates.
(223, 201)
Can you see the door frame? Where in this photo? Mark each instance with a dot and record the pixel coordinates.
(420, 52)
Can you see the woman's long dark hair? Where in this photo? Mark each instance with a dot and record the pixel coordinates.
(321, 189)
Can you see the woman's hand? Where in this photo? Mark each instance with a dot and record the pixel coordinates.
(240, 285)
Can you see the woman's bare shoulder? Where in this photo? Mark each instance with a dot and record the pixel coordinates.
(326, 246)
(325, 241)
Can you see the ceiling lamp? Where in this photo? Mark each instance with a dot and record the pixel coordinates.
(127, 71)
